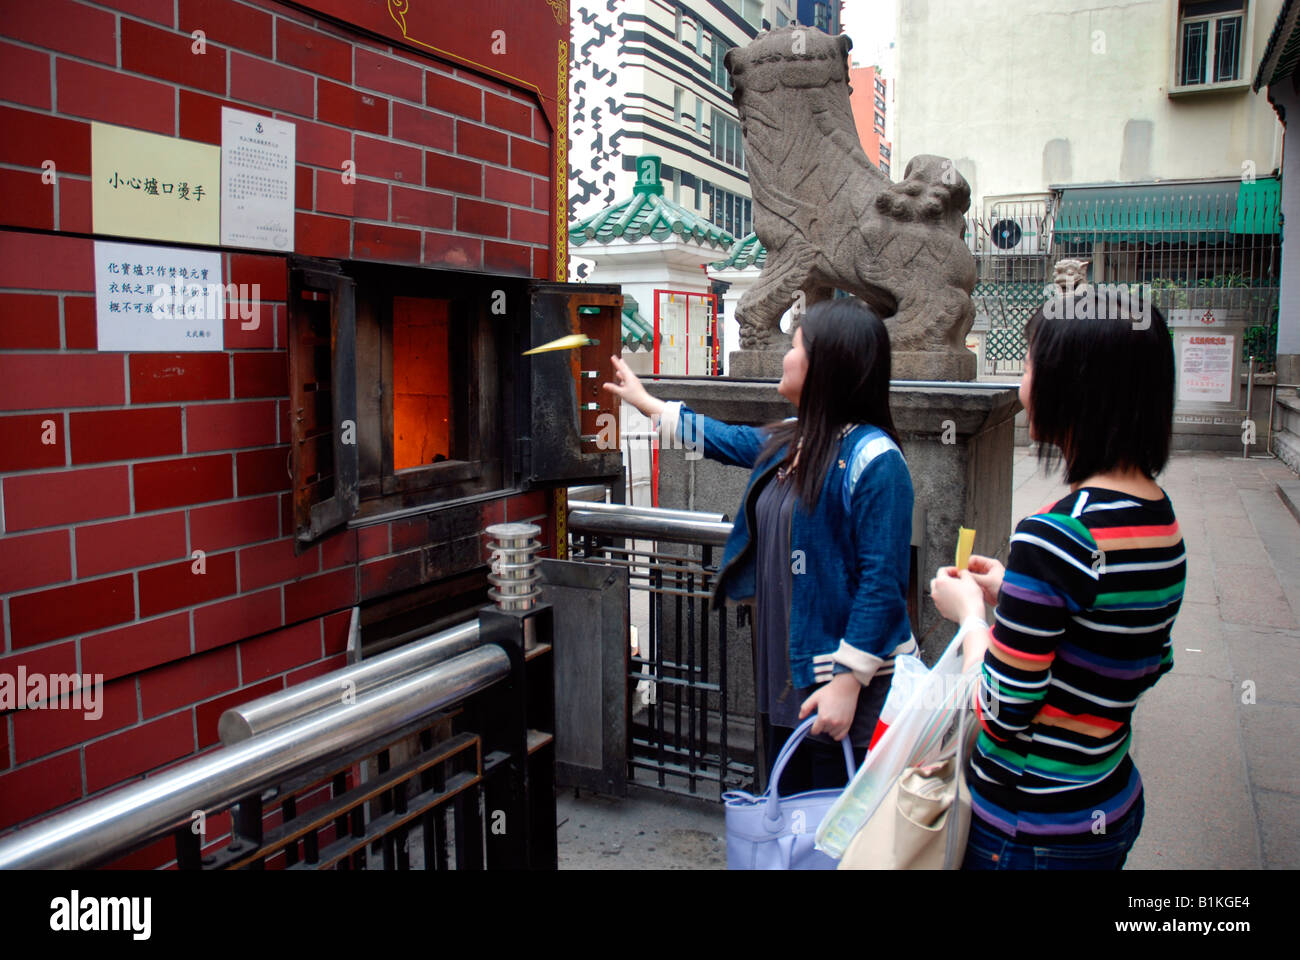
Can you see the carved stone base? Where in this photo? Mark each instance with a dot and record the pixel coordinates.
(756, 363)
(957, 365)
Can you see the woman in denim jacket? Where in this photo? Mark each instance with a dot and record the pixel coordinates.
(822, 539)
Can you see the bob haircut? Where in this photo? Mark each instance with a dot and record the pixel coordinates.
(1102, 384)
(847, 383)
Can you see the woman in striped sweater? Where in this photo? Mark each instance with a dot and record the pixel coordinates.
(1085, 605)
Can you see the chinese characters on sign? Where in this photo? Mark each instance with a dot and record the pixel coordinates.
(151, 186)
(158, 298)
(1205, 368)
(257, 181)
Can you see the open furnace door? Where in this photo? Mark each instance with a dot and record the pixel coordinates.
(569, 425)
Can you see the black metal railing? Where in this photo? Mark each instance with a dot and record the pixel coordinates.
(683, 727)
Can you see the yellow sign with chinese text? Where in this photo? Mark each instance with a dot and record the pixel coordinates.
(155, 187)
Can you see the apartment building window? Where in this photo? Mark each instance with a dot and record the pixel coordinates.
(726, 143)
(885, 153)
(884, 167)
(677, 23)
(880, 123)
(677, 104)
(1211, 41)
(699, 115)
(822, 16)
(750, 10)
(730, 211)
(717, 71)
(880, 104)
(699, 38)
(880, 87)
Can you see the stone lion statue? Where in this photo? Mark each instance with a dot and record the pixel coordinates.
(829, 218)
(1068, 274)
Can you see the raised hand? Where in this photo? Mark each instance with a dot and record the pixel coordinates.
(628, 387)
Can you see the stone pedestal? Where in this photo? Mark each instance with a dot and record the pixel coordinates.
(957, 365)
(959, 446)
(757, 363)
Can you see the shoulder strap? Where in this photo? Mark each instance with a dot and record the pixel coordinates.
(871, 445)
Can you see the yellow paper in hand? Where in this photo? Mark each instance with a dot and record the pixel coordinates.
(965, 542)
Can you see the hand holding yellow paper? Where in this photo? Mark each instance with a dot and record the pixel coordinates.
(965, 542)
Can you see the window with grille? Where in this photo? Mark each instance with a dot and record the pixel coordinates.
(1211, 42)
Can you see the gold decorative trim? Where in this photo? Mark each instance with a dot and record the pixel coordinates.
(559, 8)
(562, 166)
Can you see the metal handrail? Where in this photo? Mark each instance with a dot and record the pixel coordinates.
(98, 829)
(284, 706)
(643, 527)
(633, 510)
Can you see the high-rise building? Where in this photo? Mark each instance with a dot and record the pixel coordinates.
(650, 80)
(869, 100)
(822, 14)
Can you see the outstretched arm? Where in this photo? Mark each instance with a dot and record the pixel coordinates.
(678, 426)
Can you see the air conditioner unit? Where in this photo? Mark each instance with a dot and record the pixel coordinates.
(1016, 235)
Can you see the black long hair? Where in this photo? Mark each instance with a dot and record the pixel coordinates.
(847, 383)
(1102, 388)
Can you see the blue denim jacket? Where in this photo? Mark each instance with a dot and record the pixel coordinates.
(850, 556)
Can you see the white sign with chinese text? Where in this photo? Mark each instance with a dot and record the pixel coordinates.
(1205, 367)
(159, 299)
(257, 181)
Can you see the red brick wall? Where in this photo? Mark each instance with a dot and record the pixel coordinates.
(159, 455)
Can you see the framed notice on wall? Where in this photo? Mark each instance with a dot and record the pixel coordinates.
(257, 181)
(153, 187)
(161, 299)
(1205, 367)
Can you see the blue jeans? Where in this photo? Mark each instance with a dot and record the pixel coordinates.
(988, 849)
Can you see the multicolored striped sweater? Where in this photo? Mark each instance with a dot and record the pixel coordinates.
(1083, 621)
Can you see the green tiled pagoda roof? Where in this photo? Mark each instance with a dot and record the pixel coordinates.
(646, 214)
(747, 252)
(637, 332)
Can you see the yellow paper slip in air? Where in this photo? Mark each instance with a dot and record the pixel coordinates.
(570, 342)
(965, 541)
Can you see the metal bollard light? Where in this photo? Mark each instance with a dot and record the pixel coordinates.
(514, 575)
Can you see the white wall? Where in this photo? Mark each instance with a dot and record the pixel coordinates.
(1288, 324)
(1022, 94)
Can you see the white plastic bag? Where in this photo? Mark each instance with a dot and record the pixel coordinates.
(926, 700)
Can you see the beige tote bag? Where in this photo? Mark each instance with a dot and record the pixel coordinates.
(924, 820)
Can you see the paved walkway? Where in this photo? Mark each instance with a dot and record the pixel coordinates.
(1215, 740)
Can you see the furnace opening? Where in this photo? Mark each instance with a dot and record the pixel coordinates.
(423, 428)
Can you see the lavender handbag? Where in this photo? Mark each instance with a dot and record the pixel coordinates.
(771, 832)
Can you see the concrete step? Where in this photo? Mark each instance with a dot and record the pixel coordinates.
(1289, 491)
(1286, 446)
